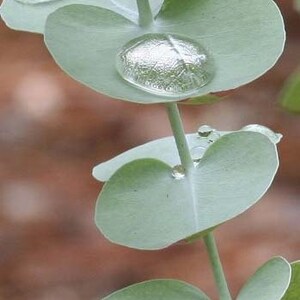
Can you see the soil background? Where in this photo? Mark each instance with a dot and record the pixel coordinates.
(54, 130)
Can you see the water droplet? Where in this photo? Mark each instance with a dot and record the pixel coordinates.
(208, 134)
(178, 172)
(32, 2)
(165, 64)
(274, 137)
(205, 130)
(197, 153)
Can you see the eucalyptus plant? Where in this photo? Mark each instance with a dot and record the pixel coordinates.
(182, 187)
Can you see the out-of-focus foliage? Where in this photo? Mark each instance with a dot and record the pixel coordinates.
(293, 292)
(290, 95)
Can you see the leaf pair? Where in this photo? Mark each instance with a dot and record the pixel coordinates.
(143, 206)
(244, 38)
(270, 282)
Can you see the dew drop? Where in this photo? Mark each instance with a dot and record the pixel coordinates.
(178, 172)
(165, 64)
(205, 130)
(274, 137)
(208, 133)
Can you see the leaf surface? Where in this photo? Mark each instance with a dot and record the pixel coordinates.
(269, 282)
(290, 96)
(159, 289)
(166, 151)
(142, 205)
(86, 46)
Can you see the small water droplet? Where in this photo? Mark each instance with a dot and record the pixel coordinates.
(274, 137)
(208, 134)
(178, 172)
(205, 130)
(197, 153)
(165, 64)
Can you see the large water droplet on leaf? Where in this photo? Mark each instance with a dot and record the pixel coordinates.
(165, 64)
(178, 172)
(274, 137)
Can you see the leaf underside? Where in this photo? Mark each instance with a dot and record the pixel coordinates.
(85, 40)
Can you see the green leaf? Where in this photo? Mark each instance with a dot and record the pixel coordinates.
(245, 39)
(206, 99)
(162, 149)
(166, 151)
(290, 96)
(159, 289)
(293, 292)
(142, 206)
(27, 16)
(269, 282)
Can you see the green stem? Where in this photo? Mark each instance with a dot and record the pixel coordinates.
(145, 13)
(215, 261)
(179, 135)
(187, 162)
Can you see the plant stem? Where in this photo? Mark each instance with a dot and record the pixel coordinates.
(145, 13)
(215, 261)
(179, 135)
(187, 163)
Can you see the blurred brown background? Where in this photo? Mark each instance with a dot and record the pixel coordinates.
(54, 130)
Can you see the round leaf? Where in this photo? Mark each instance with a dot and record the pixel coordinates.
(142, 206)
(24, 15)
(293, 292)
(244, 39)
(159, 289)
(269, 282)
